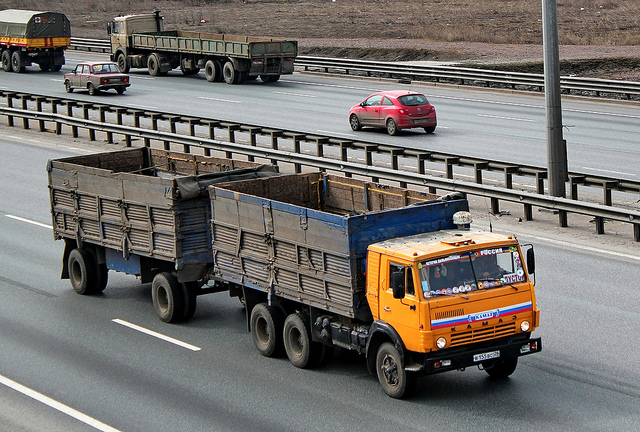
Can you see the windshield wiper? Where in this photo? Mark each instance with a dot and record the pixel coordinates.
(454, 294)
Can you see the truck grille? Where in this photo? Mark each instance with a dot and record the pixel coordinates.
(482, 334)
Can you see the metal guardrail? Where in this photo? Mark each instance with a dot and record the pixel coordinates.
(316, 156)
(461, 75)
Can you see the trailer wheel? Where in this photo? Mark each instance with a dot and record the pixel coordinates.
(153, 64)
(123, 64)
(6, 60)
(230, 74)
(17, 62)
(84, 272)
(501, 368)
(168, 297)
(301, 350)
(395, 381)
(266, 329)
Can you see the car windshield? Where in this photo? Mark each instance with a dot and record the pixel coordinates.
(471, 271)
(105, 68)
(413, 100)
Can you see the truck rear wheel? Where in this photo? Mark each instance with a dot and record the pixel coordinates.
(6, 60)
(213, 71)
(84, 272)
(266, 329)
(153, 64)
(395, 381)
(501, 368)
(297, 341)
(17, 62)
(230, 74)
(168, 298)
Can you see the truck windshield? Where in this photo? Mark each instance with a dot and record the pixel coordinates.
(471, 271)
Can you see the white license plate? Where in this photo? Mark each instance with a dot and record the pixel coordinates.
(486, 356)
(420, 121)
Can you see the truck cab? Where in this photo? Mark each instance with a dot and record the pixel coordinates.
(449, 300)
(122, 27)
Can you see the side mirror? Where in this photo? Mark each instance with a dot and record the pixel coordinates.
(397, 284)
(109, 29)
(362, 104)
(531, 261)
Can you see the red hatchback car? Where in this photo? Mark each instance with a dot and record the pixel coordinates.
(394, 110)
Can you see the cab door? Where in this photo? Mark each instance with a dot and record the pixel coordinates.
(403, 314)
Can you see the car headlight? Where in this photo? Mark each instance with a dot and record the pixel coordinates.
(524, 326)
(441, 342)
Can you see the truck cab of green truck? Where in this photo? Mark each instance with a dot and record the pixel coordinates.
(140, 41)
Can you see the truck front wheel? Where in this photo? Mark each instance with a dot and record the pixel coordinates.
(168, 298)
(266, 329)
(501, 368)
(123, 64)
(395, 381)
(153, 64)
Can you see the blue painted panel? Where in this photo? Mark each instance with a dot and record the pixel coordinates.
(115, 261)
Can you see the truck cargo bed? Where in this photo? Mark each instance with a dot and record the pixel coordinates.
(304, 237)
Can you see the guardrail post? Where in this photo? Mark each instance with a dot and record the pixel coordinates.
(54, 110)
(297, 168)
(253, 140)
(172, 129)
(25, 121)
(232, 128)
(528, 212)
(274, 144)
(103, 118)
(193, 122)
(86, 116)
(636, 232)
(508, 176)
(478, 167)
(212, 133)
(369, 150)
(608, 186)
(10, 97)
(394, 163)
(39, 99)
(599, 225)
(74, 129)
(154, 127)
(320, 142)
(563, 219)
(574, 181)
(495, 206)
(344, 153)
(451, 161)
(540, 176)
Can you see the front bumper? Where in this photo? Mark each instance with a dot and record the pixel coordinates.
(454, 360)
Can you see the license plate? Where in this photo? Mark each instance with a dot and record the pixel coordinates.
(486, 356)
(420, 121)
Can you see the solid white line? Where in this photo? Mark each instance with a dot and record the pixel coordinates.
(609, 171)
(157, 335)
(218, 100)
(294, 94)
(57, 405)
(506, 118)
(21, 219)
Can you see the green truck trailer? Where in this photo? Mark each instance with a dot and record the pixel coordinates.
(140, 41)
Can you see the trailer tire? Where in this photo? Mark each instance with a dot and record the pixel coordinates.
(123, 64)
(84, 272)
(302, 351)
(6, 60)
(17, 62)
(230, 74)
(394, 379)
(213, 71)
(501, 368)
(153, 64)
(168, 298)
(266, 330)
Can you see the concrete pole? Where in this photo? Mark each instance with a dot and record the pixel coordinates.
(556, 145)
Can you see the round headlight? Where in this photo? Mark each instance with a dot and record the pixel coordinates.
(441, 342)
(524, 326)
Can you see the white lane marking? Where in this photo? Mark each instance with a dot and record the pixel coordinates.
(57, 405)
(506, 118)
(21, 219)
(218, 100)
(144, 77)
(294, 94)
(609, 171)
(332, 85)
(142, 106)
(332, 132)
(156, 335)
(56, 80)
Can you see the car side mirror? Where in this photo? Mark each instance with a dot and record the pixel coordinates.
(397, 284)
(109, 29)
(362, 104)
(531, 261)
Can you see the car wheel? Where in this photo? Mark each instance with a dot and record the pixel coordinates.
(120, 90)
(67, 86)
(354, 121)
(392, 127)
(430, 129)
(92, 90)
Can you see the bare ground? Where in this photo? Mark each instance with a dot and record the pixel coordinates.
(598, 38)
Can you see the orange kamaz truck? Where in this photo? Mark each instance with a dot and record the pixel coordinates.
(318, 260)
(28, 37)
